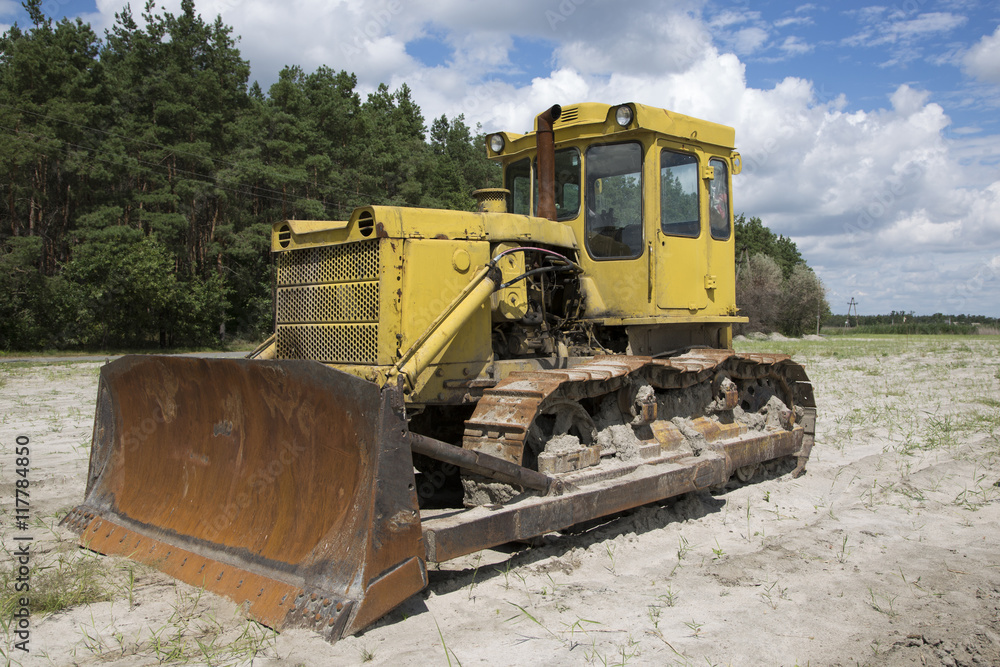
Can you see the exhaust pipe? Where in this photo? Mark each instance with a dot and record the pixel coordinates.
(546, 149)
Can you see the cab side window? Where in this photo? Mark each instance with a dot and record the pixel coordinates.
(679, 194)
(614, 200)
(718, 201)
(518, 181)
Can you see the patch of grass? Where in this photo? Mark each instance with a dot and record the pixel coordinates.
(882, 603)
(772, 593)
(980, 421)
(941, 431)
(610, 548)
(627, 650)
(524, 613)
(475, 572)
(682, 548)
(66, 583)
(980, 493)
(506, 574)
(695, 628)
(192, 634)
(844, 553)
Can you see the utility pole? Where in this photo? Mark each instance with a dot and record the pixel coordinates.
(853, 305)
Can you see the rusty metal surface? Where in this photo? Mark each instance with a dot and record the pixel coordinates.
(766, 446)
(457, 534)
(503, 415)
(546, 156)
(500, 422)
(283, 484)
(480, 464)
(809, 434)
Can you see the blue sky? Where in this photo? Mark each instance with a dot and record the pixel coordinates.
(870, 130)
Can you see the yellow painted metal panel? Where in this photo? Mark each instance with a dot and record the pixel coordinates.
(617, 287)
(390, 300)
(293, 234)
(398, 222)
(430, 282)
(510, 303)
(591, 120)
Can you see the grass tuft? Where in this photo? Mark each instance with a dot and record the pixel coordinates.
(67, 583)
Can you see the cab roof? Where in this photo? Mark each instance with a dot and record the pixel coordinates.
(592, 120)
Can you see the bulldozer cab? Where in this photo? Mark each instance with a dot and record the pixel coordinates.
(648, 192)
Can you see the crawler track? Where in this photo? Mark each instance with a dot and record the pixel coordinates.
(504, 415)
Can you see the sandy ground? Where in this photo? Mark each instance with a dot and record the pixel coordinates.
(884, 553)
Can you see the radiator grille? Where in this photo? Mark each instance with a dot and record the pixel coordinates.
(342, 303)
(329, 264)
(351, 343)
(328, 303)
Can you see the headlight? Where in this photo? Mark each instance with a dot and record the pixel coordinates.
(496, 143)
(623, 115)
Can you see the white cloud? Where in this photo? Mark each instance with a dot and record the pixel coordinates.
(749, 40)
(744, 32)
(918, 229)
(924, 24)
(906, 100)
(731, 17)
(793, 46)
(793, 20)
(9, 8)
(882, 28)
(983, 60)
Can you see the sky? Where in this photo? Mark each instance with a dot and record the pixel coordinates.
(870, 133)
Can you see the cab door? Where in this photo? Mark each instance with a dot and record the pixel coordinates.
(613, 229)
(680, 242)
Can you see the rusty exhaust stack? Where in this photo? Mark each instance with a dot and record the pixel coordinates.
(546, 148)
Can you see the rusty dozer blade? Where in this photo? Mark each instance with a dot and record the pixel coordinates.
(286, 486)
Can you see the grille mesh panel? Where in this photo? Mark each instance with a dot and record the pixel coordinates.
(329, 264)
(328, 303)
(343, 302)
(354, 343)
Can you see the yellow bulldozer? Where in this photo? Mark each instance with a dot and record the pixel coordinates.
(441, 382)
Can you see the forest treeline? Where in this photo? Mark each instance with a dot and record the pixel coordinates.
(142, 172)
(899, 322)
